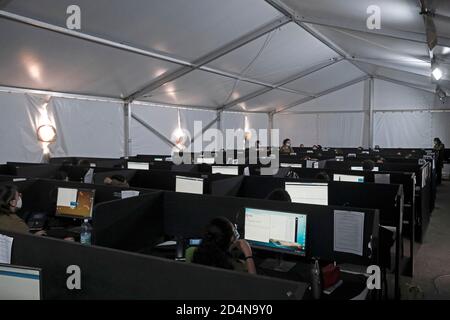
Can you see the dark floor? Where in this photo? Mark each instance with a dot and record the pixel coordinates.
(432, 266)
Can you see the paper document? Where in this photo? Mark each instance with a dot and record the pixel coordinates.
(5, 249)
(348, 232)
(129, 194)
(382, 178)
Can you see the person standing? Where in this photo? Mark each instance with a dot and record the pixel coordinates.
(439, 148)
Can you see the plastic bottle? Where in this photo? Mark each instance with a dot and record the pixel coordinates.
(316, 283)
(86, 233)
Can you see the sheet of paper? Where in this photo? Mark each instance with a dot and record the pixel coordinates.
(129, 194)
(348, 232)
(66, 197)
(19, 179)
(383, 178)
(5, 249)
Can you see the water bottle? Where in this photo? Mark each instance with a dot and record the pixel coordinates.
(316, 283)
(86, 233)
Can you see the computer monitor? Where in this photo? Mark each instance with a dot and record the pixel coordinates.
(375, 169)
(309, 193)
(202, 160)
(291, 165)
(19, 283)
(138, 165)
(284, 232)
(229, 170)
(347, 178)
(75, 203)
(189, 185)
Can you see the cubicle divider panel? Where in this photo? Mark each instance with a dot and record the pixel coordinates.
(259, 187)
(226, 186)
(385, 197)
(99, 162)
(100, 175)
(187, 215)
(43, 193)
(37, 171)
(131, 224)
(113, 274)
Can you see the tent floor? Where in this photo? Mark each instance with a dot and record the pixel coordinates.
(432, 257)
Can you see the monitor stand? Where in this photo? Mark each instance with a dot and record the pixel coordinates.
(277, 264)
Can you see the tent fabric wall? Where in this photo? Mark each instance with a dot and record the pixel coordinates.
(87, 128)
(330, 129)
(165, 120)
(390, 96)
(403, 129)
(18, 124)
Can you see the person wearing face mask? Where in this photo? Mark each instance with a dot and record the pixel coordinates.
(218, 244)
(286, 147)
(10, 204)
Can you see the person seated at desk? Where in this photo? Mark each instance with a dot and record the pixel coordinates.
(279, 195)
(10, 203)
(116, 180)
(286, 147)
(322, 176)
(368, 165)
(89, 175)
(220, 240)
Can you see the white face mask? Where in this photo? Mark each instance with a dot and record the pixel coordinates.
(19, 204)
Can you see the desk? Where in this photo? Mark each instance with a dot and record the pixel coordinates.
(352, 286)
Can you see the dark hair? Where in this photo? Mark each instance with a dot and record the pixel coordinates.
(322, 176)
(213, 250)
(286, 140)
(61, 175)
(368, 165)
(7, 194)
(119, 178)
(279, 195)
(84, 163)
(438, 140)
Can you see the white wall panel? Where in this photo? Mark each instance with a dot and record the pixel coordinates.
(18, 123)
(390, 96)
(87, 128)
(403, 129)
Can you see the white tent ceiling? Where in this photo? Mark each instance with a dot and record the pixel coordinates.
(241, 55)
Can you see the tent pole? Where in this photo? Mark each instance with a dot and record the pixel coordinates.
(371, 107)
(127, 129)
(270, 127)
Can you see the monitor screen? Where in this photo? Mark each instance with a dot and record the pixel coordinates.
(347, 178)
(276, 230)
(19, 283)
(309, 193)
(201, 160)
(361, 169)
(189, 185)
(229, 170)
(138, 165)
(291, 165)
(75, 203)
